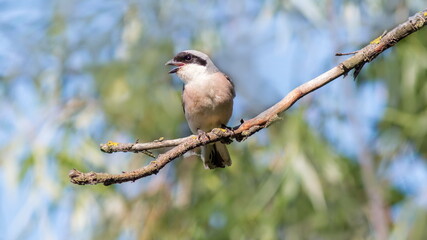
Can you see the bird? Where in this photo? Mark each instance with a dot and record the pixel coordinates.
(207, 100)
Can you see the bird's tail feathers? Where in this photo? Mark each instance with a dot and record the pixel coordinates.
(215, 156)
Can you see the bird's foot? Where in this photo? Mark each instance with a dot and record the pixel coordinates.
(223, 132)
(226, 127)
(202, 136)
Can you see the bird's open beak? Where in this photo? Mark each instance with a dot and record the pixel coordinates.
(174, 63)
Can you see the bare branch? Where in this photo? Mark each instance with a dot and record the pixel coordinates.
(139, 147)
(251, 126)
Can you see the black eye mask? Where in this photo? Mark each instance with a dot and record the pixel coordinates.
(185, 57)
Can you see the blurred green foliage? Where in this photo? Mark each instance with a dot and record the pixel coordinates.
(287, 182)
(405, 72)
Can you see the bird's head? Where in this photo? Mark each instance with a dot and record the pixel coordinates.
(190, 64)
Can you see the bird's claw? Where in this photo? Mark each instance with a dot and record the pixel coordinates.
(222, 132)
(226, 127)
(202, 136)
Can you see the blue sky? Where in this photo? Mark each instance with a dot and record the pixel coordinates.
(281, 53)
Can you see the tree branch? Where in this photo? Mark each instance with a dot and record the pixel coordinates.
(251, 126)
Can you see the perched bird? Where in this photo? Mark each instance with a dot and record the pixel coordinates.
(207, 99)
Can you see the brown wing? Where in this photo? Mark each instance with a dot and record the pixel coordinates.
(182, 98)
(232, 84)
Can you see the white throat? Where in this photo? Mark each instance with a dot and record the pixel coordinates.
(192, 72)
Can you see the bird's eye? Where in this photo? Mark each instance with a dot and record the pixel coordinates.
(188, 57)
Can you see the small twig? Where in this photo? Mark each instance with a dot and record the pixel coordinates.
(344, 54)
(251, 126)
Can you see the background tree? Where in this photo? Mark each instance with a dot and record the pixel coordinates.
(76, 74)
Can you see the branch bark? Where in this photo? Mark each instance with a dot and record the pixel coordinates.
(251, 126)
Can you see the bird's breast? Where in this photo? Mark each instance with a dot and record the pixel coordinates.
(207, 104)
